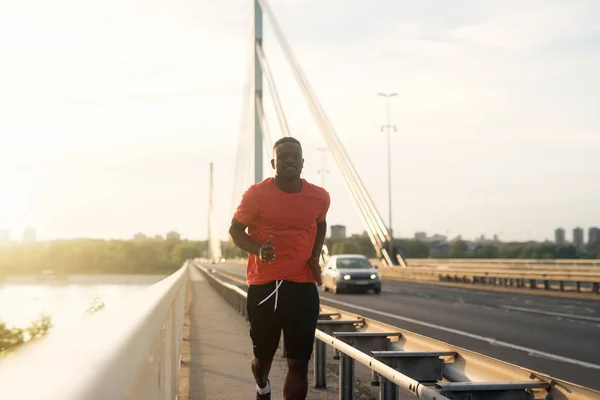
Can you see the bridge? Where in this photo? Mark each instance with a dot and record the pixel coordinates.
(186, 337)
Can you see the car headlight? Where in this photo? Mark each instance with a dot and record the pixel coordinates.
(347, 277)
(373, 276)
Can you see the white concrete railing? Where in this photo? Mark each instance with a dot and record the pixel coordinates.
(129, 352)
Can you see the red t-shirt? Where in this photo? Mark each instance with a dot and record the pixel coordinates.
(292, 220)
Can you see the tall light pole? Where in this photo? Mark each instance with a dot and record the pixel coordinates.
(323, 170)
(389, 127)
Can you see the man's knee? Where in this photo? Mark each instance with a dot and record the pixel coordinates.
(298, 367)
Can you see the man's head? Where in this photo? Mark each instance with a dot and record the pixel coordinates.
(287, 157)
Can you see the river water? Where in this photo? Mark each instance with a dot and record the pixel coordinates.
(23, 300)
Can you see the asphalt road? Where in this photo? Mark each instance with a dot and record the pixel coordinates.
(552, 335)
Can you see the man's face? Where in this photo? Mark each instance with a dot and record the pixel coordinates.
(287, 160)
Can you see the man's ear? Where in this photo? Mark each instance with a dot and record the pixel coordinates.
(272, 163)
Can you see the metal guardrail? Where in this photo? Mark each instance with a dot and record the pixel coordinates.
(507, 261)
(428, 368)
(496, 264)
(532, 279)
(581, 279)
(579, 265)
(132, 351)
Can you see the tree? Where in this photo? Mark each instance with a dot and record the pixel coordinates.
(414, 248)
(458, 249)
(528, 251)
(185, 251)
(568, 252)
(345, 247)
(544, 251)
(173, 236)
(508, 251)
(487, 251)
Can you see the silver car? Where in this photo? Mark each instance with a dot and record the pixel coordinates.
(350, 271)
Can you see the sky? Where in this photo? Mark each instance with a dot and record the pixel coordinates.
(110, 112)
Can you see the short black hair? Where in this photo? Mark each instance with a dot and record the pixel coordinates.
(286, 139)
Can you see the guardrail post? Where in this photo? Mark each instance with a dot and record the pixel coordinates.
(387, 390)
(346, 378)
(320, 363)
(244, 307)
(532, 284)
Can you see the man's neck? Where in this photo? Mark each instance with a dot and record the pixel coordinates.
(289, 185)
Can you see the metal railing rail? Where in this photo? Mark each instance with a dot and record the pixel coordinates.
(132, 351)
(526, 265)
(498, 266)
(500, 277)
(428, 368)
(507, 261)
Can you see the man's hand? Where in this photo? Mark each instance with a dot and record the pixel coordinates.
(265, 252)
(315, 268)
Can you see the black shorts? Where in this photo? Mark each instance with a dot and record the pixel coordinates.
(296, 314)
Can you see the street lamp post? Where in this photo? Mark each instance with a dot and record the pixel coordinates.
(389, 127)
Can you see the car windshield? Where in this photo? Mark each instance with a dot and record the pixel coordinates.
(353, 263)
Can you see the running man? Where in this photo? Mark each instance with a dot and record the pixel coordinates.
(285, 217)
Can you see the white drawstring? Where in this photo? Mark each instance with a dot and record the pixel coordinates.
(275, 292)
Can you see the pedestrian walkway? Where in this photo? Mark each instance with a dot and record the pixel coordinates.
(217, 351)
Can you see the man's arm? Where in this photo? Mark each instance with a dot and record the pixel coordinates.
(240, 238)
(321, 227)
(237, 232)
(320, 238)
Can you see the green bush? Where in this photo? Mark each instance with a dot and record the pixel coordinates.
(13, 337)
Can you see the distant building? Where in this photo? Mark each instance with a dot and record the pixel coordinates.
(4, 236)
(421, 236)
(593, 235)
(481, 240)
(338, 232)
(29, 235)
(438, 238)
(578, 238)
(559, 236)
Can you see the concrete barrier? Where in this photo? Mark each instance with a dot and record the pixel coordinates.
(132, 351)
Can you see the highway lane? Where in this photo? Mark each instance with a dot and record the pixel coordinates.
(556, 336)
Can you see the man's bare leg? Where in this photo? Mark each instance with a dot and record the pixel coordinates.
(260, 370)
(296, 381)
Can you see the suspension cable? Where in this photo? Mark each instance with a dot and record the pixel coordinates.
(325, 125)
(361, 196)
(262, 59)
(242, 161)
(266, 133)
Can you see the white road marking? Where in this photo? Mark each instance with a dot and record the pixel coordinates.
(552, 313)
(489, 340)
